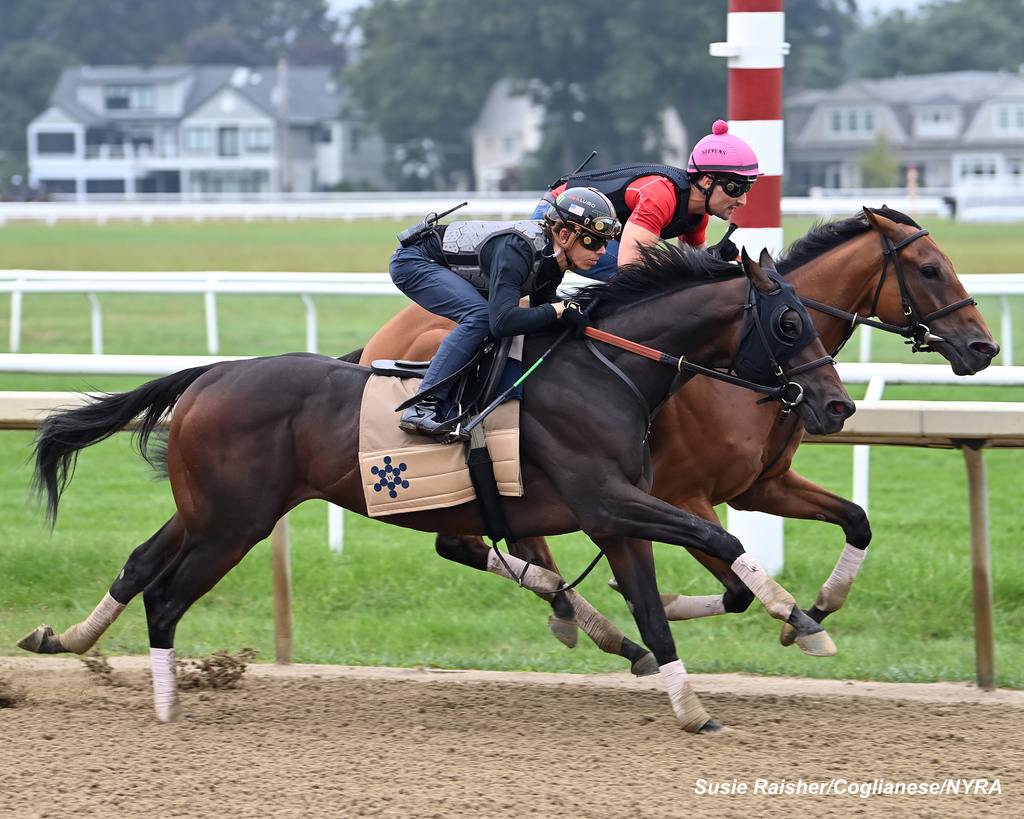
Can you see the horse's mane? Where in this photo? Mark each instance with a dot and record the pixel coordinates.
(824, 236)
(664, 268)
(661, 269)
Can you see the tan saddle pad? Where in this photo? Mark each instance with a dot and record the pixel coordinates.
(410, 473)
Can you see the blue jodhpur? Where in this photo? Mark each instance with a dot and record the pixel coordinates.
(436, 288)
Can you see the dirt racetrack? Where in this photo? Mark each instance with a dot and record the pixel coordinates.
(331, 741)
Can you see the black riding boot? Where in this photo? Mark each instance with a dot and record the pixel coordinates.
(423, 418)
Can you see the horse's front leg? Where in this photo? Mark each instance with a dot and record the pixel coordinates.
(628, 511)
(791, 495)
(632, 562)
(737, 597)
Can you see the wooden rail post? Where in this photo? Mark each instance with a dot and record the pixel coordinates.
(981, 566)
(280, 551)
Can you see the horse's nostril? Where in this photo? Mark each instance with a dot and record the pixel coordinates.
(843, 408)
(985, 348)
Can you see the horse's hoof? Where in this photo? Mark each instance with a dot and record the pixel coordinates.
(818, 644)
(565, 631)
(788, 635)
(645, 666)
(712, 726)
(169, 714)
(42, 641)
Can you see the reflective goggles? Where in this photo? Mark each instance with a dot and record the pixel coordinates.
(731, 186)
(599, 232)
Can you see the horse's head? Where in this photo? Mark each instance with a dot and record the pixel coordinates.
(780, 346)
(920, 289)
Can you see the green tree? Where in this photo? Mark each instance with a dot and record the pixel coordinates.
(880, 167)
(817, 31)
(954, 36)
(28, 73)
(423, 72)
(425, 68)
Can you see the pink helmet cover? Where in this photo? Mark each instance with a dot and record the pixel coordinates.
(721, 152)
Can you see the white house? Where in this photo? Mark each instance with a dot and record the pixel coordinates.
(195, 130)
(959, 129)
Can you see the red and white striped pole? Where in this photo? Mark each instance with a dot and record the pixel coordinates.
(756, 48)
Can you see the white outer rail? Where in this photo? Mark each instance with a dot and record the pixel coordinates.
(400, 205)
(211, 283)
(411, 206)
(208, 284)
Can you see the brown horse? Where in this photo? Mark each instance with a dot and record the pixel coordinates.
(250, 440)
(744, 452)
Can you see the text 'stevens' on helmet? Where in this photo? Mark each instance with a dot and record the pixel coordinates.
(590, 210)
(720, 154)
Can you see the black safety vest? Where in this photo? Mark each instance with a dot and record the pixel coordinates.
(462, 242)
(612, 182)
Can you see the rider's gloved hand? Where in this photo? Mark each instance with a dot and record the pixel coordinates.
(725, 250)
(574, 317)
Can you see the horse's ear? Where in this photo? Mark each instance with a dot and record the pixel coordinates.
(879, 222)
(756, 274)
(766, 259)
(876, 219)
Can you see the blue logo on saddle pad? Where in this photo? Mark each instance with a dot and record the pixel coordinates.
(389, 477)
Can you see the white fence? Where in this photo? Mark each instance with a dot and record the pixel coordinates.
(405, 205)
(411, 206)
(210, 284)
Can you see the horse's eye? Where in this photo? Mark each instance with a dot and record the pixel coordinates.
(790, 325)
(930, 271)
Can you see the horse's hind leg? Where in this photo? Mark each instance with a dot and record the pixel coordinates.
(197, 569)
(571, 609)
(562, 621)
(142, 566)
(543, 580)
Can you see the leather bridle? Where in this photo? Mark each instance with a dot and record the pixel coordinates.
(916, 330)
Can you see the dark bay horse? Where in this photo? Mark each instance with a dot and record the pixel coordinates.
(250, 440)
(856, 265)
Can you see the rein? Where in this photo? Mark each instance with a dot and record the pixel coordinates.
(916, 330)
(788, 392)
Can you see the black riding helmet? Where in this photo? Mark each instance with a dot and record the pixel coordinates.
(587, 212)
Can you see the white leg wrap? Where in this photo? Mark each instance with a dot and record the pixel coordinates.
(80, 637)
(604, 633)
(834, 591)
(773, 597)
(537, 579)
(165, 684)
(681, 607)
(685, 704)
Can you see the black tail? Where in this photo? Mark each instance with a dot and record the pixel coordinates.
(67, 431)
